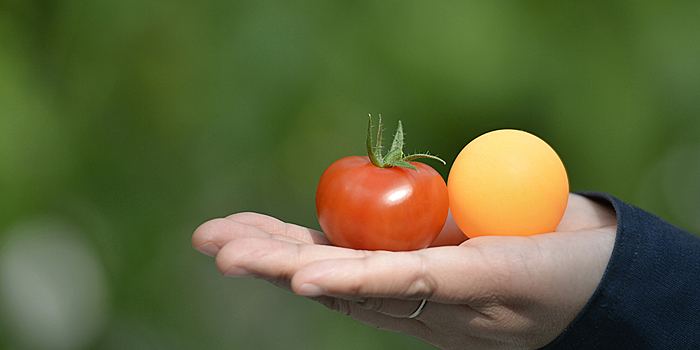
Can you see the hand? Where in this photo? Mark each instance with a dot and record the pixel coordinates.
(494, 292)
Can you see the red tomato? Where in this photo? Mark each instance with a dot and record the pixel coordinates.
(362, 206)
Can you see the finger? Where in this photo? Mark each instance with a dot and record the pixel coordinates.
(381, 274)
(480, 272)
(279, 227)
(436, 324)
(277, 261)
(371, 317)
(399, 308)
(471, 273)
(209, 237)
(445, 274)
(273, 258)
(435, 314)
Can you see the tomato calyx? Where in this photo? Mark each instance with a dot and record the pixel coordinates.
(395, 157)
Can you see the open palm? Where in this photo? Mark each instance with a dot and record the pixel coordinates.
(497, 292)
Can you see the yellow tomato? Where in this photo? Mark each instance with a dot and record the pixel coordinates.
(507, 183)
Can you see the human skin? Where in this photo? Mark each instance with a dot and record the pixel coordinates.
(490, 292)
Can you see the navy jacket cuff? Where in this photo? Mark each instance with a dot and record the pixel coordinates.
(649, 296)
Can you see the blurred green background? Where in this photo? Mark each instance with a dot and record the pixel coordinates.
(126, 124)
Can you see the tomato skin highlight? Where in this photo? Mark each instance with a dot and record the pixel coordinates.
(362, 206)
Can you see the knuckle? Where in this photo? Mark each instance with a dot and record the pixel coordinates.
(423, 283)
(335, 304)
(370, 303)
(239, 252)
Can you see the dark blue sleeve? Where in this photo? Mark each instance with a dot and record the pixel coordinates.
(649, 296)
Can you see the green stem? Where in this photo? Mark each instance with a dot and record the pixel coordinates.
(370, 148)
(395, 156)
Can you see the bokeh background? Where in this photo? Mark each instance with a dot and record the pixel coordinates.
(126, 124)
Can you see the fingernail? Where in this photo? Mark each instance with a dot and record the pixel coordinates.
(311, 290)
(236, 271)
(210, 249)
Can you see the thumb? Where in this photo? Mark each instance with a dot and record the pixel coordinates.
(445, 274)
